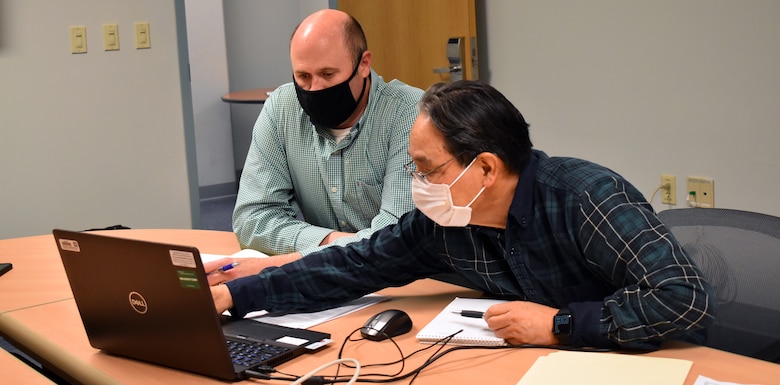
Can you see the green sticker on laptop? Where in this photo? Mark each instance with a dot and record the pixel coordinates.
(188, 279)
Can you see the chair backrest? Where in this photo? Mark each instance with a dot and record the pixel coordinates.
(739, 253)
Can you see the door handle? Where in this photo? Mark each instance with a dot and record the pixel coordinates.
(456, 58)
(446, 70)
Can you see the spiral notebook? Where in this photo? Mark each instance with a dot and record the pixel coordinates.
(474, 330)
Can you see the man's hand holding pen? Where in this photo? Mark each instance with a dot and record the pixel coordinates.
(522, 322)
(227, 269)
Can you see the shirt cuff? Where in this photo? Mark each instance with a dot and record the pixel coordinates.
(248, 294)
(587, 325)
(309, 239)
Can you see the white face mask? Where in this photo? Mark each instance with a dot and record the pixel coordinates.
(435, 201)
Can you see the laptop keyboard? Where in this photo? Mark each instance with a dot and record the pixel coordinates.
(249, 353)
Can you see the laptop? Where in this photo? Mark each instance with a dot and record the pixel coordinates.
(151, 301)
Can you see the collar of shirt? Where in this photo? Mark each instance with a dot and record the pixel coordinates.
(521, 208)
(372, 90)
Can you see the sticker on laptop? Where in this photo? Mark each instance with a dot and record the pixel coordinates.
(292, 340)
(70, 245)
(182, 258)
(188, 279)
(318, 344)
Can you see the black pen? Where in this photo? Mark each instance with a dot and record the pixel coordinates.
(470, 313)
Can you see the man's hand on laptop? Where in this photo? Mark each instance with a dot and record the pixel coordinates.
(227, 269)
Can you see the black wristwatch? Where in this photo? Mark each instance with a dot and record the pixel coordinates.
(563, 323)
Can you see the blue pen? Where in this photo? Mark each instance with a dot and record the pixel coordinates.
(225, 268)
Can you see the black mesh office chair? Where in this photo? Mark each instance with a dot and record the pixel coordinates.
(739, 253)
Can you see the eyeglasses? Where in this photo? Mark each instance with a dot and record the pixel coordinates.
(411, 168)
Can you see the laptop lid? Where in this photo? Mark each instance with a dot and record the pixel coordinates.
(151, 301)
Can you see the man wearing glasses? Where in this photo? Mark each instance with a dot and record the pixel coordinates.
(573, 243)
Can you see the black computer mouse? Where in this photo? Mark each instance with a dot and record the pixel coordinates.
(386, 324)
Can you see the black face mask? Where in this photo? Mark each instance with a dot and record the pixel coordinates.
(331, 106)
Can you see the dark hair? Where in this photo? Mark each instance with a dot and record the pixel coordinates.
(355, 38)
(474, 118)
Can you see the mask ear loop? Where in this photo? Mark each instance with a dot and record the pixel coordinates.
(365, 79)
(475, 198)
(464, 173)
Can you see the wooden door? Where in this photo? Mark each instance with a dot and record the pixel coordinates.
(408, 38)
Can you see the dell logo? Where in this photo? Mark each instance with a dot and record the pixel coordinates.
(138, 302)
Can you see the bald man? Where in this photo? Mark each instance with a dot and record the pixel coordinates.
(329, 147)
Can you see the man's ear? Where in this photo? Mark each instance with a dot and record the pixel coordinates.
(365, 61)
(490, 165)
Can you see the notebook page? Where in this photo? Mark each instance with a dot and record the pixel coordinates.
(475, 330)
(244, 253)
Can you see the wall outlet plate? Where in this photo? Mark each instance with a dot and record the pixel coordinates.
(701, 192)
(668, 194)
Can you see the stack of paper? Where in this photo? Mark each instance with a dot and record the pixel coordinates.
(307, 320)
(586, 368)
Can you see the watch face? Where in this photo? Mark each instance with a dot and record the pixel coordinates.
(562, 324)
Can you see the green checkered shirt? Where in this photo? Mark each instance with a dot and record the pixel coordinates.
(292, 168)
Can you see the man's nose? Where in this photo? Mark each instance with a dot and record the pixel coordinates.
(318, 83)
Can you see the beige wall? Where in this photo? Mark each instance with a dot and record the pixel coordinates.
(95, 139)
(209, 80)
(649, 87)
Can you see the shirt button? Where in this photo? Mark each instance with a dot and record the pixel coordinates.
(334, 189)
(343, 223)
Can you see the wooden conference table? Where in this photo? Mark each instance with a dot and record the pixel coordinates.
(38, 314)
(15, 371)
